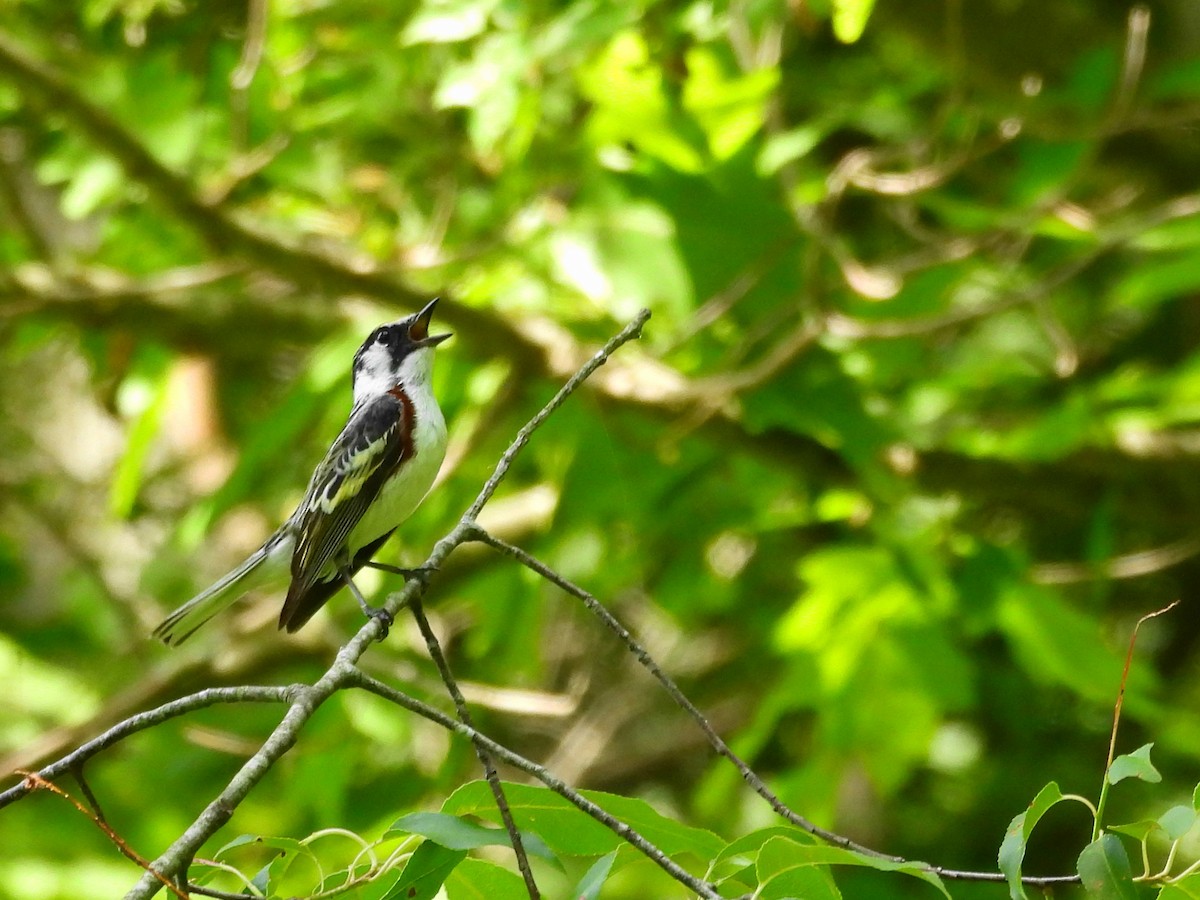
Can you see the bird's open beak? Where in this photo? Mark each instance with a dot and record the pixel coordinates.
(418, 331)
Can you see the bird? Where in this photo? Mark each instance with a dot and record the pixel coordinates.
(374, 475)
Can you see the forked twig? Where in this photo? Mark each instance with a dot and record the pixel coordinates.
(37, 783)
(1112, 740)
(360, 679)
(485, 759)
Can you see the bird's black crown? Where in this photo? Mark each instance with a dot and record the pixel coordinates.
(403, 337)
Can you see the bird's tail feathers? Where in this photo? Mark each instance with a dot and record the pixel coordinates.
(183, 622)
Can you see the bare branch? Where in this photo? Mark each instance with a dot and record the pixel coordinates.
(252, 47)
(748, 775)
(704, 889)
(144, 720)
(1127, 565)
(643, 656)
(1133, 63)
(489, 769)
(628, 333)
(38, 783)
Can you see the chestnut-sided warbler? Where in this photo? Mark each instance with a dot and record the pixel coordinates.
(372, 478)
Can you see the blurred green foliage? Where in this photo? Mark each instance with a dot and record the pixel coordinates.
(910, 444)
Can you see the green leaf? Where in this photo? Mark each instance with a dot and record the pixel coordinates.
(284, 844)
(477, 879)
(1139, 831)
(1134, 765)
(1016, 839)
(1170, 276)
(779, 855)
(566, 829)
(447, 21)
(1057, 642)
(1178, 821)
(458, 834)
(850, 19)
(97, 182)
(745, 850)
(727, 103)
(783, 874)
(1104, 868)
(127, 479)
(1185, 889)
(425, 872)
(589, 886)
(788, 146)
(801, 881)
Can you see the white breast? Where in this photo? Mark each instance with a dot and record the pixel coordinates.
(405, 490)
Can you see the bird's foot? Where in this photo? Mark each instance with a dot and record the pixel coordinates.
(380, 615)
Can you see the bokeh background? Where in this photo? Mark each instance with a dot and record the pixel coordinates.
(910, 444)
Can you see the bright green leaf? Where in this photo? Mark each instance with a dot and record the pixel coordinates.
(1178, 821)
(1134, 765)
(425, 872)
(566, 829)
(459, 834)
(850, 18)
(477, 879)
(779, 855)
(1185, 889)
(1104, 868)
(1016, 838)
(589, 886)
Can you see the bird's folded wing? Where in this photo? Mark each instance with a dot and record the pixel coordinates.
(375, 440)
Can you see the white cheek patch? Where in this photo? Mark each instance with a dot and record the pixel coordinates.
(374, 376)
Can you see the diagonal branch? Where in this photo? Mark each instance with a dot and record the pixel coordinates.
(703, 888)
(142, 721)
(489, 769)
(748, 775)
(668, 684)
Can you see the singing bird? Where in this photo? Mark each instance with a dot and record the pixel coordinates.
(372, 478)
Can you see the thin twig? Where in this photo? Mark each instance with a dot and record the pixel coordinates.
(647, 661)
(1127, 565)
(252, 46)
(714, 739)
(38, 783)
(703, 888)
(81, 779)
(1137, 29)
(142, 721)
(489, 769)
(628, 333)
(1098, 825)
(213, 892)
